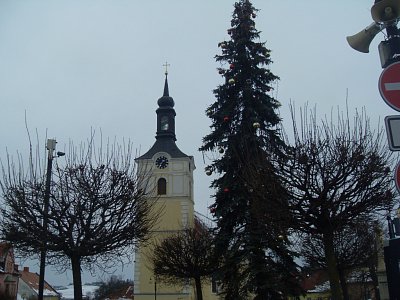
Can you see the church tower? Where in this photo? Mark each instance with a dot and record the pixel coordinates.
(171, 186)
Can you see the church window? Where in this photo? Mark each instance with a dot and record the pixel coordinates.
(162, 186)
(164, 123)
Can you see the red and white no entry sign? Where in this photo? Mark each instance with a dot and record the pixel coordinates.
(389, 85)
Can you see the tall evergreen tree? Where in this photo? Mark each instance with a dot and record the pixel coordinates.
(250, 202)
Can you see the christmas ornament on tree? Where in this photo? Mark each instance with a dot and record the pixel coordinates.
(226, 119)
(226, 190)
(256, 125)
(232, 66)
(221, 150)
(208, 172)
(231, 81)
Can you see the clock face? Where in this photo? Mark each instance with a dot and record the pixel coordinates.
(162, 162)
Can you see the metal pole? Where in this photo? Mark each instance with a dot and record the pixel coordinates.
(50, 147)
(155, 288)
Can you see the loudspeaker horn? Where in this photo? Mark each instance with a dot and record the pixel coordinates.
(361, 41)
(385, 10)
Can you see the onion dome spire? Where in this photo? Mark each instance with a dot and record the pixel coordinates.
(165, 135)
(166, 100)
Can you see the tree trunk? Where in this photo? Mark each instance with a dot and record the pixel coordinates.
(343, 284)
(77, 276)
(374, 277)
(199, 293)
(331, 264)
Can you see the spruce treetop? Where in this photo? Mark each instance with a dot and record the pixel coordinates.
(244, 109)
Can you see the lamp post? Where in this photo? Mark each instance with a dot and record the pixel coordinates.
(154, 279)
(51, 146)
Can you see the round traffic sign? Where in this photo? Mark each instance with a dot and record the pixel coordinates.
(389, 85)
(397, 176)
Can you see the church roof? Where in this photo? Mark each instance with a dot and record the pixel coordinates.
(164, 145)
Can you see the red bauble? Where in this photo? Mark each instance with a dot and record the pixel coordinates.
(232, 66)
(226, 190)
(226, 119)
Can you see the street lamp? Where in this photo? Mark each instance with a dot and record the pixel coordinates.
(51, 146)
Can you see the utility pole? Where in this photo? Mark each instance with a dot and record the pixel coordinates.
(51, 146)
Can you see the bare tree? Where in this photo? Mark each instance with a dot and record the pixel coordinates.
(97, 213)
(187, 254)
(356, 249)
(336, 172)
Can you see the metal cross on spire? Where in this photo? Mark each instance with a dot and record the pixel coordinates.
(166, 65)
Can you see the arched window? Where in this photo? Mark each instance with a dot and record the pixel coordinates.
(164, 123)
(162, 186)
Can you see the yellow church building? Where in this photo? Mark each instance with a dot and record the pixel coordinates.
(171, 186)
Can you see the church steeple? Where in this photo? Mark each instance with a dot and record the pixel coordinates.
(166, 114)
(166, 90)
(165, 135)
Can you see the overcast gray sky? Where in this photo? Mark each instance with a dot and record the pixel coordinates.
(76, 65)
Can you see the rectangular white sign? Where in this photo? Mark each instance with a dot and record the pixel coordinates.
(393, 132)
